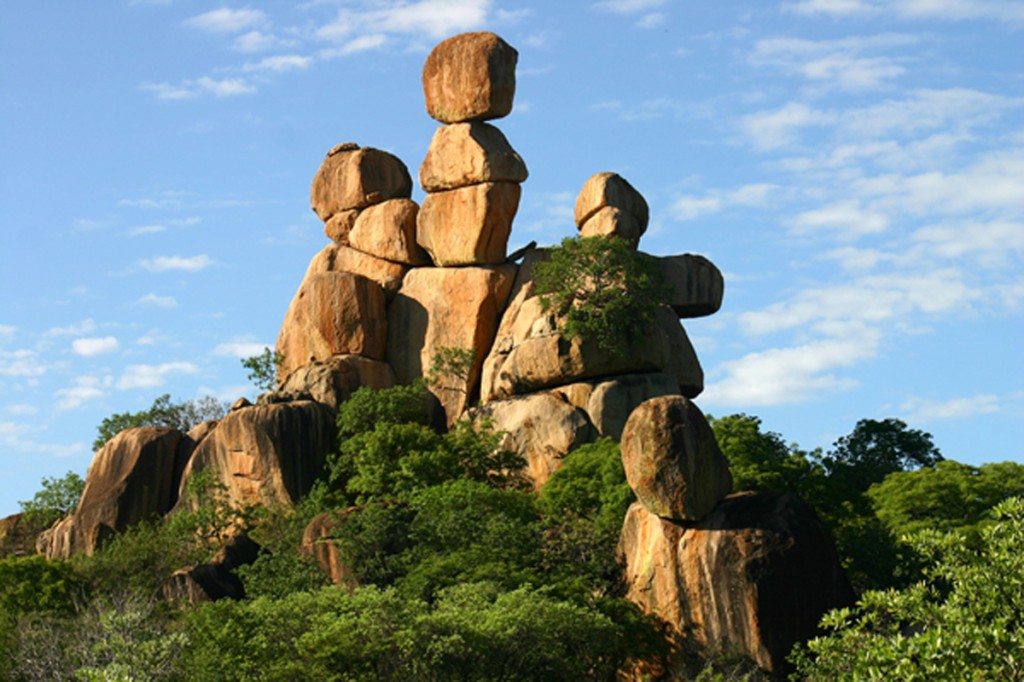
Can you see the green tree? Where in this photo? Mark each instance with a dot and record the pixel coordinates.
(875, 449)
(263, 368)
(962, 621)
(761, 460)
(182, 415)
(57, 499)
(604, 289)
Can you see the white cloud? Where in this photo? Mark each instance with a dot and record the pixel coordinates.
(924, 410)
(7, 330)
(284, 62)
(21, 363)
(852, 258)
(226, 20)
(88, 347)
(991, 243)
(240, 349)
(146, 229)
(159, 301)
(780, 376)
(257, 41)
(845, 219)
(151, 376)
(773, 129)
(86, 326)
(689, 207)
(628, 6)
(432, 18)
(22, 409)
(953, 10)
(12, 438)
(165, 263)
(224, 87)
(86, 388)
(652, 20)
(840, 62)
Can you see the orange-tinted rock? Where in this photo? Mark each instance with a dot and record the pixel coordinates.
(266, 454)
(333, 313)
(132, 478)
(340, 258)
(696, 284)
(318, 542)
(542, 428)
(215, 579)
(331, 381)
(610, 189)
(752, 578)
(469, 154)
(672, 459)
(388, 230)
(609, 403)
(470, 77)
(612, 222)
(446, 308)
(340, 224)
(18, 535)
(469, 225)
(351, 177)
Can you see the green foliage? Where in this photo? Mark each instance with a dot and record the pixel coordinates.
(182, 416)
(36, 583)
(57, 499)
(875, 449)
(263, 368)
(761, 460)
(367, 408)
(605, 290)
(950, 496)
(450, 368)
(963, 621)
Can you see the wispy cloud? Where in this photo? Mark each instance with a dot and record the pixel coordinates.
(166, 263)
(86, 388)
(146, 229)
(22, 363)
(227, 20)
(152, 376)
(954, 10)
(430, 18)
(628, 6)
(846, 63)
(924, 410)
(218, 87)
(90, 346)
(688, 207)
(845, 219)
(86, 326)
(159, 301)
(284, 62)
(240, 349)
(779, 127)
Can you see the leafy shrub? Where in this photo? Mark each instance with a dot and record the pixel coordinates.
(605, 290)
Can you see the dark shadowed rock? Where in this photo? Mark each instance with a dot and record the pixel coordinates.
(609, 403)
(470, 77)
(754, 577)
(695, 283)
(215, 579)
(672, 460)
(132, 478)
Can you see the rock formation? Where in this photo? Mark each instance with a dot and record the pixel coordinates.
(399, 286)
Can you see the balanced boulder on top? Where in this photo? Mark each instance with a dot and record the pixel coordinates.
(470, 77)
(353, 178)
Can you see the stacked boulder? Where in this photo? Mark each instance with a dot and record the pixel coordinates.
(749, 574)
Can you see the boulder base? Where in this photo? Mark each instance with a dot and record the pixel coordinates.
(753, 578)
(388, 230)
(469, 225)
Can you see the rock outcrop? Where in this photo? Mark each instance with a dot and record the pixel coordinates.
(753, 577)
(132, 478)
(216, 579)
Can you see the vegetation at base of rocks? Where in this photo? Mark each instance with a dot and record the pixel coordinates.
(450, 368)
(603, 288)
(263, 368)
(962, 620)
(182, 416)
(57, 498)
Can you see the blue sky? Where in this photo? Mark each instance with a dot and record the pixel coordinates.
(854, 167)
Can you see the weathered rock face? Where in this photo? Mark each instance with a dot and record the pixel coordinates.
(465, 154)
(331, 381)
(610, 189)
(333, 313)
(696, 284)
(18, 536)
(317, 543)
(754, 577)
(267, 454)
(542, 428)
(388, 230)
(609, 403)
(446, 308)
(469, 225)
(132, 478)
(672, 460)
(340, 224)
(352, 178)
(215, 579)
(340, 258)
(470, 77)
(612, 222)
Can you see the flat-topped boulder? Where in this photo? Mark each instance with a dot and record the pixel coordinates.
(610, 190)
(354, 177)
(469, 225)
(470, 77)
(331, 381)
(464, 154)
(333, 313)
(696, 286)
(672, 459)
